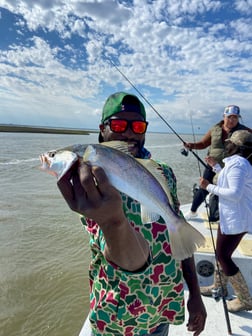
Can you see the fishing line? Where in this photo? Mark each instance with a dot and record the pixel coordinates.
(194, 140)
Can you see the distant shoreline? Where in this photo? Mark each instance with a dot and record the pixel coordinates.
(13, 128)
(41, 129)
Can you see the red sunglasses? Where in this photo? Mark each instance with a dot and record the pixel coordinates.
(121, 125)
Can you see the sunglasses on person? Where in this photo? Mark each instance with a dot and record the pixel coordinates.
(121, 125)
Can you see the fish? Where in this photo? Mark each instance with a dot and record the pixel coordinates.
(141, 179)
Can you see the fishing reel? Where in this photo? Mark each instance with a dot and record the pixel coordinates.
(184, 151)
(217, 293)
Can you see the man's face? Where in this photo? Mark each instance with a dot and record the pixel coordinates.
(136, 140)
(231, 121)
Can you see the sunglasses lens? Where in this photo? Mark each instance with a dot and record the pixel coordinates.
(118, 125)
(139, 127)
(121, 125)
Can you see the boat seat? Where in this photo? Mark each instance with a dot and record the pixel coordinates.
(245, 247)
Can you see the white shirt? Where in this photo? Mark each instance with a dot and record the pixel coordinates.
(234, 188)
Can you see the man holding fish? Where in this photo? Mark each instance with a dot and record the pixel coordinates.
(140, 257)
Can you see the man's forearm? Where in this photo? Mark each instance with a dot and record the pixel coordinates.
(125, 246)
(190, 276)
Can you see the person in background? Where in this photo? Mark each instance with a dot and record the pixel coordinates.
(136, 286)
(234, 188)
(215, 140)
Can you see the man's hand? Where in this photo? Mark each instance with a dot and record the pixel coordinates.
(88, 191)
(195, 306)
(197, 315)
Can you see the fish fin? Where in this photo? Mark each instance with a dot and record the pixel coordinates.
(122, 146)
(154, 168)
(184, 240)
(147, 216)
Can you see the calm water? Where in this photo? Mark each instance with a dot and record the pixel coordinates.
(44, 251)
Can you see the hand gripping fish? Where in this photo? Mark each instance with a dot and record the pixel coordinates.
(140, 179)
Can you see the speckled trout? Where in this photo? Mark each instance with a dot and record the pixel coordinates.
(140, 179)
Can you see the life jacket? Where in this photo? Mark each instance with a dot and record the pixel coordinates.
(217, 147)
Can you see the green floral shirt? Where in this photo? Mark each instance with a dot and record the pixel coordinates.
(128, 304)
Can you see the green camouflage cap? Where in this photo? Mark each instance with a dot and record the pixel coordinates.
(240, 138)
(122, 102)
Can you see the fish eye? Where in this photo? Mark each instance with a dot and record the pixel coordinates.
(52, 154)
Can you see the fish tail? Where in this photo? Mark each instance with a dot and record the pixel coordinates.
(185, 240)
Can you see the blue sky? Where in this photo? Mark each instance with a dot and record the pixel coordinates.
(189, 58)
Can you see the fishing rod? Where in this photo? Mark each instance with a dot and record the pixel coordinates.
(216, 294)
(160, 116)
(219, 292)
(199, 160)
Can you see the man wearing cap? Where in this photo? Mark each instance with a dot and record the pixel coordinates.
(136, 286)
(234, 188)
(215, 140)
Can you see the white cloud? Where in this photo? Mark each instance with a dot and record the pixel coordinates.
(244, 6)
(187, 57)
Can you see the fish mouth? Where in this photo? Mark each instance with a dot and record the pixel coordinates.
(46, 164)
(44, 161)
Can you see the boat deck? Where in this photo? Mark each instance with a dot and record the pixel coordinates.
(241, 323)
